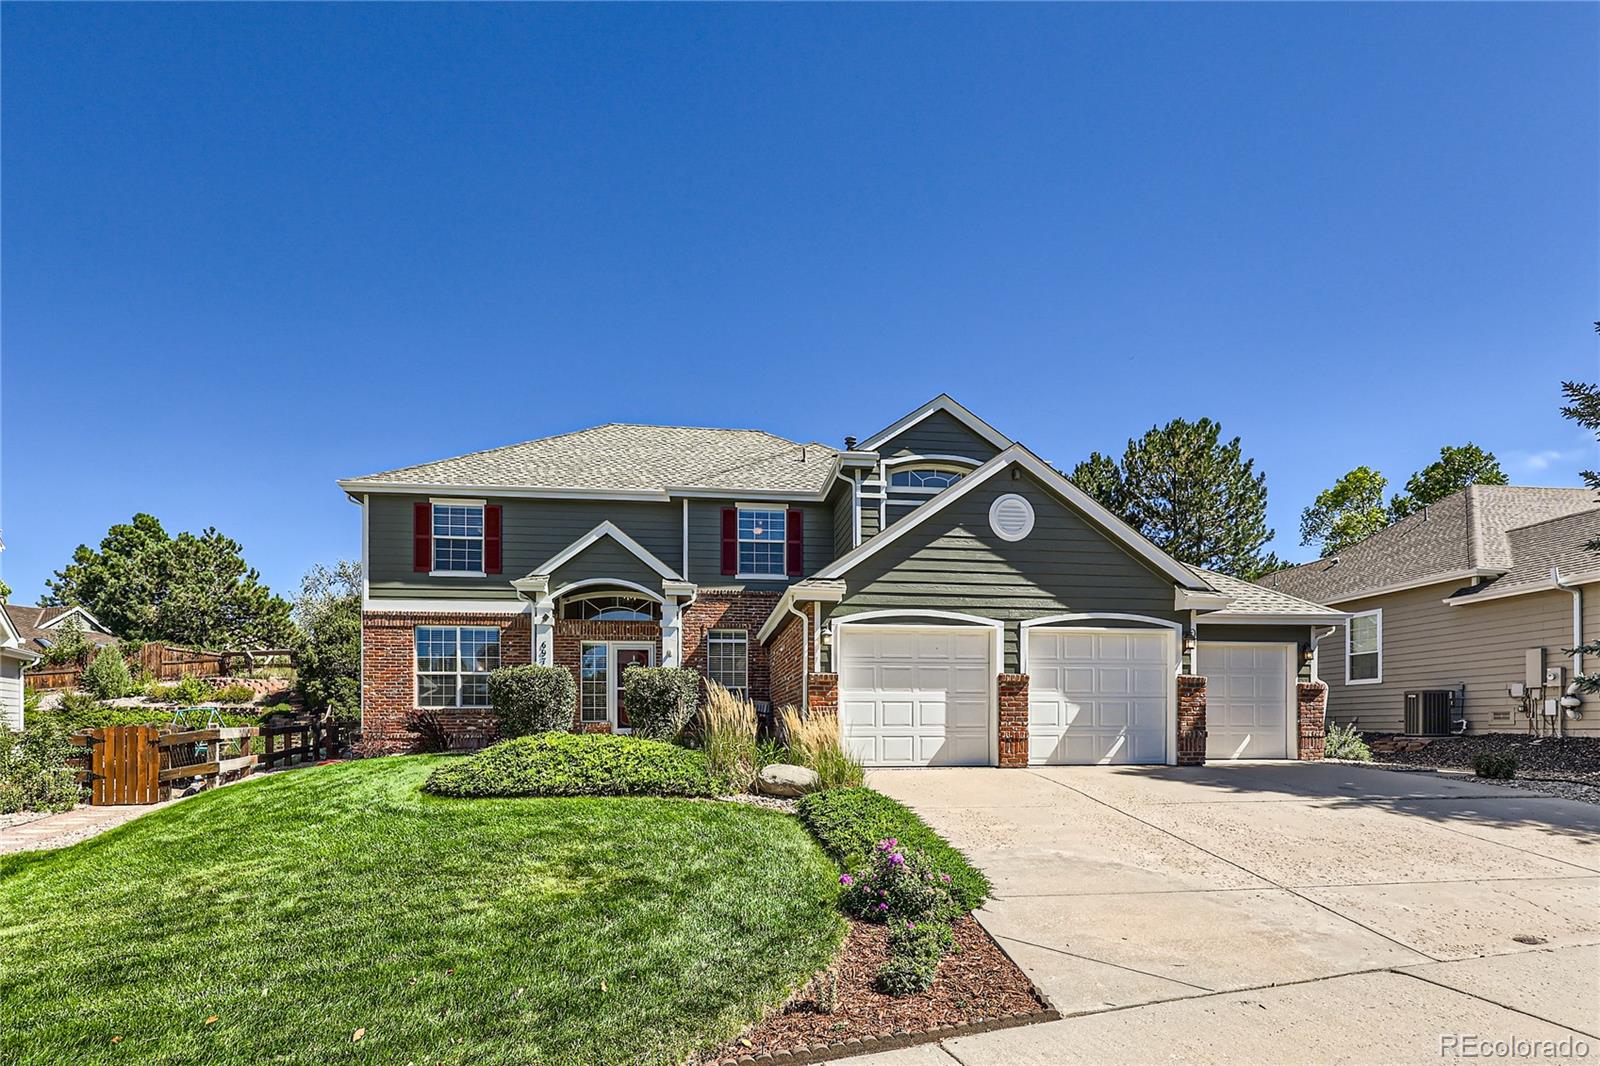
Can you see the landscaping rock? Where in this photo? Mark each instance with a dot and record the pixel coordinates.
(786, 779)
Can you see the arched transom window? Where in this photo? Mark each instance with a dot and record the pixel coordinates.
(925, 476)
(610, 607)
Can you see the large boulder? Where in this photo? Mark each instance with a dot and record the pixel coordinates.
(786, 779)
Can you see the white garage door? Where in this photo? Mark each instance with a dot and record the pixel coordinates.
(916, 696)
(1247, 700)
(1098, 696)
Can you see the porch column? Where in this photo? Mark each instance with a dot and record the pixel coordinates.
(544, 652)
(671, 633)
(1191, 720)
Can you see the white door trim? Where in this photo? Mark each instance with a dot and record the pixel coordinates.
(1174, 655)
(997, 651)
(613, 675)
(1291, 710)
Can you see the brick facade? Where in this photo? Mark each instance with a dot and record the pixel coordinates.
(824, 694)
(388, 677)
(731, 609)
(1311, 703)
(1013, 689)
(1191, 720)
(786, 654)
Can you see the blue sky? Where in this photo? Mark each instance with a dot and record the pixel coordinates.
(248, 250)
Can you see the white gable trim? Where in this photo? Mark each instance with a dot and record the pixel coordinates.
(82, 612)
(605, 583)
(941, 402)
(1020, 456)
(9, 637)
(607, 529)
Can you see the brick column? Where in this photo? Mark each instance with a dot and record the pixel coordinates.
(1311, 705)
(1191, 720)
(822, 693)
(1013, 719)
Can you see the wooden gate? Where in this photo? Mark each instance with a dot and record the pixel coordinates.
(124, 765)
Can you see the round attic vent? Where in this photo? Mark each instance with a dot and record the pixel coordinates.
(1011, 517)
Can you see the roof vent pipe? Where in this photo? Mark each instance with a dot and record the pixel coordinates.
(849, 444)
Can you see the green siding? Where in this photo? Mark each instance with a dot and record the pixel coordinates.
(939, 434)
(606, 558)
(1228, 634)
(954, 562)
(843, 521)
(533, 531)
(705, 543)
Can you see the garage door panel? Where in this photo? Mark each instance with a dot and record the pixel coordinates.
(1098, 697)
(917, 697)
(1247, 702)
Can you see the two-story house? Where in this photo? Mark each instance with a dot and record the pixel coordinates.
(952, 596)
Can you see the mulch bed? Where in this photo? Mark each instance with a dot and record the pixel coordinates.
(977, 983)
(1551, 758)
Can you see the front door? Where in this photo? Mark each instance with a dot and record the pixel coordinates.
(622, 658)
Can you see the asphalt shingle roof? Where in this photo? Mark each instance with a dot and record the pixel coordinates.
(30, 623)
(1250, 598)
(1464, 531)
(621, 457)
(1557, 542)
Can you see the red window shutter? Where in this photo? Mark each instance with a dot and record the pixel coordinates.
(730, 540)
(422, 537)
(491, 538)
(794, 530)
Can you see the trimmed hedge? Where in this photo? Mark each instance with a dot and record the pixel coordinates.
(533, 699)
(576, 764)
(849, 822)
(661, 700)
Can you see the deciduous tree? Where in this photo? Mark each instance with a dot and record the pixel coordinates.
(1350, 511)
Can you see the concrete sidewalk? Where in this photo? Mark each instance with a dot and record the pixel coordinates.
(1276, 913)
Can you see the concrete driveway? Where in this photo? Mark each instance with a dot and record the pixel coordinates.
(1275, 912)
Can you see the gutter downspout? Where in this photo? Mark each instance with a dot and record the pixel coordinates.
(1577, 635)
(805, 663)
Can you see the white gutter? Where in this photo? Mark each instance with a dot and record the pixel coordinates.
(1577, 634)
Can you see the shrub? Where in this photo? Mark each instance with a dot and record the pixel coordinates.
(232, 694)
(107, 675)
(329, 664)
(1499, 765)
(432, 736)
(915, 949)
(728, 735)
(77, 711)
(533, 699)
(68, 644)
(815, 741)
(31, 698)
(898, 885)
(187, 692)
(34, 774)
(661, 700)
(849, 822)
(577, 764)
(1344, 742)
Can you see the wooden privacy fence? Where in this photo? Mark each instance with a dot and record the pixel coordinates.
(141, 763)
(164, 662)
(51, 677)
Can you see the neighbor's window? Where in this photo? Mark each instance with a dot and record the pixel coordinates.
(453, 664)
(924, 477)
(1364, 648)
(594, 688)
(458, 538)
(761, 542)
(728, 659)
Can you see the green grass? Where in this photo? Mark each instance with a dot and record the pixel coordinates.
(300, 907)
(849, 822)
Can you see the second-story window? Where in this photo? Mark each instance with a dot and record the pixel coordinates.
(761, 542)
(458, 538)
(924, 477)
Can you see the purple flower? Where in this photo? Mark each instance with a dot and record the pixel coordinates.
(945, 878)
(846, 879)
(883, 907)
(897, 859)
(911, 925)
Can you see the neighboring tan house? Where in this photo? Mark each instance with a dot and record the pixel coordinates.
(952, 596)
(1451, 607)
(14, 655)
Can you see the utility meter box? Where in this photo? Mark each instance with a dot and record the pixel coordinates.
(1533, 676)
(1555, 677)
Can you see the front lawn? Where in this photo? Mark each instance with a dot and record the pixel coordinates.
(337, 914)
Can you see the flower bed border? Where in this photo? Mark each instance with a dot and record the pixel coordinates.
(867, 1045)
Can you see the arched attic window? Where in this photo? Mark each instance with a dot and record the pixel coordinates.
(926, 476)
(610, 607)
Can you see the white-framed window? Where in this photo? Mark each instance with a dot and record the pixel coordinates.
(1363, 648)
(762, 542)
(728, 659)
(457, 537)
(453, 665)
(594, 683)
(609, 607)
(929, 478)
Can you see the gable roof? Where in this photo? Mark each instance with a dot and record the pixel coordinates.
(1016, 454)
(1463, 536)
(32, 625)
(942, 402)
(605, 529)
(624, 459)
